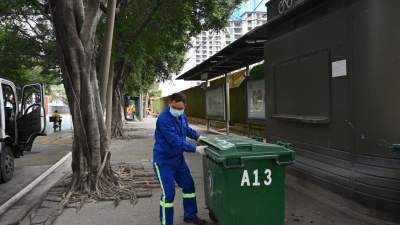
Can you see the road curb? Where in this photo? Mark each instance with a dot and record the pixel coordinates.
(32, 185)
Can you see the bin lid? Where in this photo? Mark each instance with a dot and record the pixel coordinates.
(221, 147)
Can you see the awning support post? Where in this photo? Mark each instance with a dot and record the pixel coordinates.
(227, 105)
(140, 106)
(205, 88)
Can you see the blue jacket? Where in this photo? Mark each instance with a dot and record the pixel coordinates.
(170, 135)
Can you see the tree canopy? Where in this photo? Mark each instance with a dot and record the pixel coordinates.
(151, 39)
(154, 36)
(27, 43)
(151, 35)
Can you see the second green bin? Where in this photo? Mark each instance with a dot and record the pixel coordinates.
(245, 180)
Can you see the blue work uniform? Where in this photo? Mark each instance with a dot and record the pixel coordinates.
(170, 165)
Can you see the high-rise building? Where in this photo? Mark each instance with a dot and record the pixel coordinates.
(207, 43)
(248, 16)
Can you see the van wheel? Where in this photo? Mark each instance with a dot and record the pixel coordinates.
(28, 147)
(6, 164)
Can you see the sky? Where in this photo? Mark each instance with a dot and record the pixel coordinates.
(250, 5)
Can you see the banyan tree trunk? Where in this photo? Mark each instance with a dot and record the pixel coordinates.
(75, 23)
(146, 104)
(117, 124)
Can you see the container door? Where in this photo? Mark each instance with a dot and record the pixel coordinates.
(32, 117)
(10, 109)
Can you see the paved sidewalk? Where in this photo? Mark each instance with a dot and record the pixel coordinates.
(302, 208)
(137, 149)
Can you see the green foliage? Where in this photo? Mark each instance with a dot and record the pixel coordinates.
(151, 35)
(27, 44)
(155, 93)
(154, 35)
(211, 14)
(57, 93)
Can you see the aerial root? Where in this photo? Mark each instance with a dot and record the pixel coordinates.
(126, 182)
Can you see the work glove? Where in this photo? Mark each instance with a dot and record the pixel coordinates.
(200, 138)
(201, 149)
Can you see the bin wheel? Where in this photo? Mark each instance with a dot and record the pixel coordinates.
(212, 216)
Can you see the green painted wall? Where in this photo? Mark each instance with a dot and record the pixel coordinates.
(238, 105)
(160, 105)
(196, 99)
(196, 102)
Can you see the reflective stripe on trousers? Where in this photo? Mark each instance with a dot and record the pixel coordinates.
(163, 204)
(167, 176)
(190, 195)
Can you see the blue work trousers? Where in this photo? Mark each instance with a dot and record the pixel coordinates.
(167, 176)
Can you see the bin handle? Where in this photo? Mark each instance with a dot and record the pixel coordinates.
(241, 165)
(256, 157)
(276, 157)
(212, 153)
(284, 163)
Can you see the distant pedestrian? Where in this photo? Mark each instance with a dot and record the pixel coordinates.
(57, 120)
(169, 163)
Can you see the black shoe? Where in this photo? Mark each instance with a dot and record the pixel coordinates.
(195, 220)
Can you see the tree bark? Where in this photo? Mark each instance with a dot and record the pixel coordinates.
(109, 104)
(117, 124)
(75, 23)
(146, 104)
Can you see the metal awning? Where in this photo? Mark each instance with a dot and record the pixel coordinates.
(247, 50)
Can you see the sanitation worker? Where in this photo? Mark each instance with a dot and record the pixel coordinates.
(169, 163)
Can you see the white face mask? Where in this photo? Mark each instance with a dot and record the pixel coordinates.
(176, 113)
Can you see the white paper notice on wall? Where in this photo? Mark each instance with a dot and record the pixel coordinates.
(339, 68)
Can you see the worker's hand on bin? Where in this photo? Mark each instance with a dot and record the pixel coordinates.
(200, 138)
(201, 149)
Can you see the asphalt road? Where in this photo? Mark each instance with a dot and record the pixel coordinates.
(65, 126)
(46, 151)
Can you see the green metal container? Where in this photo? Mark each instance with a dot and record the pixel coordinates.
(245, 180)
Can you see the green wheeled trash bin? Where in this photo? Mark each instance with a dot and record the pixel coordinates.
(245, 180)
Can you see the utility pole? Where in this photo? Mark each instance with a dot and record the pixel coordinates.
(107, 49)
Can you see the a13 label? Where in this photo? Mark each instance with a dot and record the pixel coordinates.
(266, 178)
